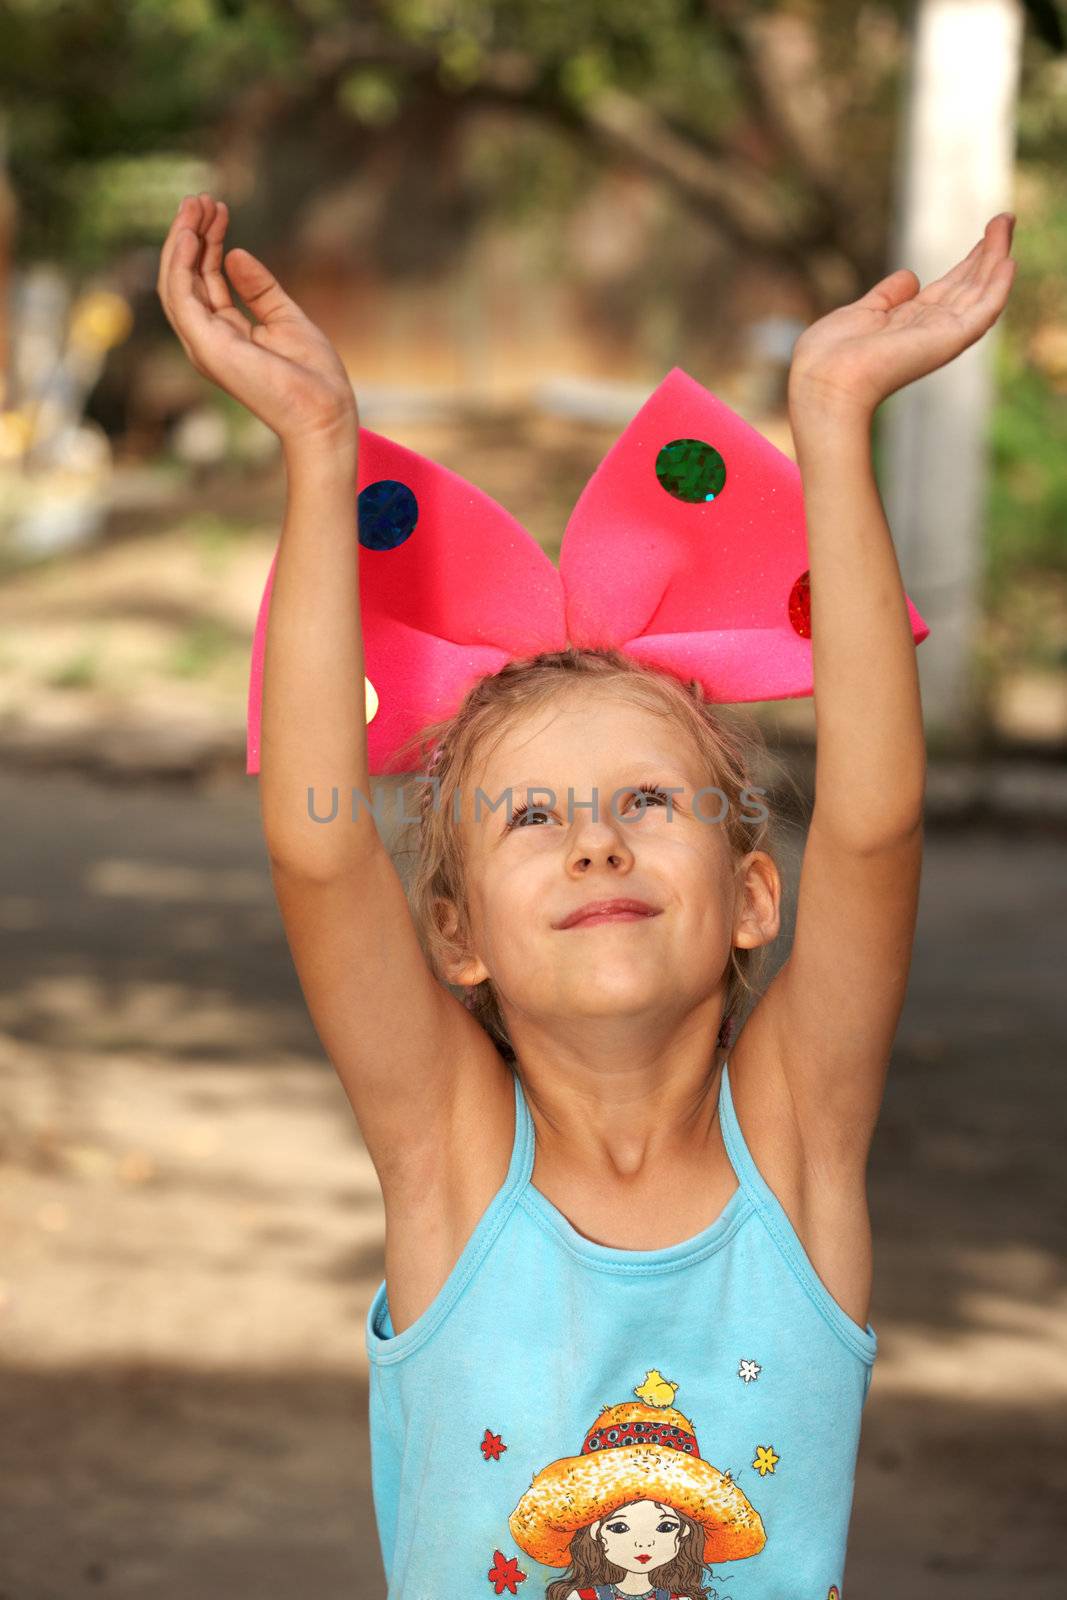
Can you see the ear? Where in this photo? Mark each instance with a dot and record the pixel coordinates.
(460, 965)
(758, 917)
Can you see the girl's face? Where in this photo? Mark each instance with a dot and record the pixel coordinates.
(620, 976)
(640, 1536)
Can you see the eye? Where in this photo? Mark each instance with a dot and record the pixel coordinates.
(521, 812)
(653, 789)
(668, 1527)
(618, 1527)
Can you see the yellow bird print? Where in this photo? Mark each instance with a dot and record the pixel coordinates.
(656, 1389)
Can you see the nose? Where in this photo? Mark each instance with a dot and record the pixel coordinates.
(600, 841)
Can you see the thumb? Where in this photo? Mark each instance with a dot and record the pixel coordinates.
(258, 287)
(901, 285)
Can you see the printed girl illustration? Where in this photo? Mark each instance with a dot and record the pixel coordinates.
(638, 1512)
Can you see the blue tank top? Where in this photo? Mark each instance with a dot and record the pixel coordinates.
(574, 1414)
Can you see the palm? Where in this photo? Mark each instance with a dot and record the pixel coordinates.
(864, 352)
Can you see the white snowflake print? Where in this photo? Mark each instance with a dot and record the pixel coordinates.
(749, 1370)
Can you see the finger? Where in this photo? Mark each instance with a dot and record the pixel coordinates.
(976, 289)
(216, 218)
(978, 313)
(998, 241)
(188, 216)
(218, 343)
(956, 277)
(187, 221)
(1001, 282)
(891, 291)
(966, 272)
(189, 314)
(259, 288)
(977, 265)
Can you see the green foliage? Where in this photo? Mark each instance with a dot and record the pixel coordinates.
(108, 105)
(114, 109)
(372, 95)
(115, 201)
(1027, 506)
(101, 97)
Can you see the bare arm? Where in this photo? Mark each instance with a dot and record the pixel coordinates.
(400, 1041)
(830, 1015)
(870, 753)
(833, 1008)
(314, 733)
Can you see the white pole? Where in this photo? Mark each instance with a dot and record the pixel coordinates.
(954, 173)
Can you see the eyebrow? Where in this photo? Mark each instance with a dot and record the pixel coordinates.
(524, 784)
(664, 768)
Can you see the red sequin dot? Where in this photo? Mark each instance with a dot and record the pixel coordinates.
(800, 605)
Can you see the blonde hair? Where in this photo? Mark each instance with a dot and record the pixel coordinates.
(729, 749)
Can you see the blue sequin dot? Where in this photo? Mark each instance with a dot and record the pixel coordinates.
(387, 512)
(691, 469)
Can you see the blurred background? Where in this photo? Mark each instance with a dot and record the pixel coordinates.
(513, 219)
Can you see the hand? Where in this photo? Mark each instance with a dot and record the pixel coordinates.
(857, 356)
(281, 366)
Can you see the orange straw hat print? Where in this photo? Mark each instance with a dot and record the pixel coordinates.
(642, 1449)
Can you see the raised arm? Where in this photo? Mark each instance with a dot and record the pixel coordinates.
(285, 370)
(397, 1037)
(831, 1013)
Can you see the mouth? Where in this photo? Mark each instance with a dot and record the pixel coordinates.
(609, 911)
(644, 1558)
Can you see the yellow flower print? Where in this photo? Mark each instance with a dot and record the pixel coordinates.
(765, 1459)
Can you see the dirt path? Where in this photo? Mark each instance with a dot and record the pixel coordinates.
(191, 1229)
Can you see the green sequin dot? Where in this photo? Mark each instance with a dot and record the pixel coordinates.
(691, 469)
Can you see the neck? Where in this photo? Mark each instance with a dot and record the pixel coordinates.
(623, 1119)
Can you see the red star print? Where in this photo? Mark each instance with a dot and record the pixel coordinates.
(504, 1573)
(492, 1445)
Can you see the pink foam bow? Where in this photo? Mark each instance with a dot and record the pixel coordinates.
(687, 550)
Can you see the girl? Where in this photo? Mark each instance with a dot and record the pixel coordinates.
(550, 1153)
